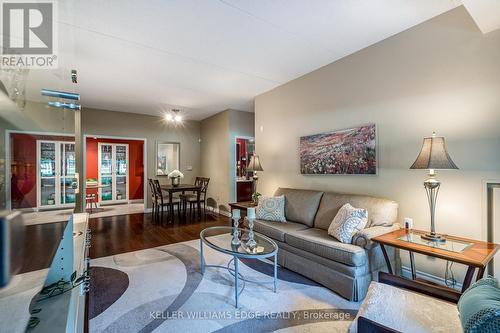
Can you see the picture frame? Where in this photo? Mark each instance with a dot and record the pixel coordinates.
(350, 151)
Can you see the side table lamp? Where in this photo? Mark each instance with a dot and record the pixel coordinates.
(433, 156)
(254, 166)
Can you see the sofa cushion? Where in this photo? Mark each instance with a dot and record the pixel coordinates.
(348, 221)
(318, 241)
(380, 211)
(276, 230)
(271, 208)
(300, 205)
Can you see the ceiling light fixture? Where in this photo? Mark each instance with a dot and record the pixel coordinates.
(174, 116)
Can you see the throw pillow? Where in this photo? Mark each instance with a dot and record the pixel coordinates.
(347, 222)
(479, 307)
(271, 209)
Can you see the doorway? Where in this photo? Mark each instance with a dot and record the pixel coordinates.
(245, 148)
(115, 170)
(493, 220)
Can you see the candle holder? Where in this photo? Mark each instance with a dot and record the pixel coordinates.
(236, 232)
(251, 243)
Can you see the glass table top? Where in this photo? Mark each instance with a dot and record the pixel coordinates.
(220, 238)
(451, 245)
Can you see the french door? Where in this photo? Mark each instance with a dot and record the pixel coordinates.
(56, 174)
(113, 172)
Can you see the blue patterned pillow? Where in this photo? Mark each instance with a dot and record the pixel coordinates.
(479, 307)
(347, 222)
(271, 209)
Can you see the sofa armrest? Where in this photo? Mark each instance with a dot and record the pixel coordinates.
(363, 238)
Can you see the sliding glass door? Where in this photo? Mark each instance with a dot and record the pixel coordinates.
(113, 173)
(56, 174)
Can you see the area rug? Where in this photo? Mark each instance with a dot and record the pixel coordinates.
(162, 290)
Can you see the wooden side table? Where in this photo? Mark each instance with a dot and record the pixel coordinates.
(473, 253)
(242, 205)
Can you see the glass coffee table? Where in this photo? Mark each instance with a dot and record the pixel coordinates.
(220, 239)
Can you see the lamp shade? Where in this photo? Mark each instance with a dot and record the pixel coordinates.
(433, 155)
(254, 164)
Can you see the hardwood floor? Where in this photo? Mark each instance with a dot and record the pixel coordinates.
(112, 235)
(40, 246)
(125, 233)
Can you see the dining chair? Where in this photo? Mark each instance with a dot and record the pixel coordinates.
(164, 201)
(192, 198)
(154, 198)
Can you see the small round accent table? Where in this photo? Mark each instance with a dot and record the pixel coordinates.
(219, 239)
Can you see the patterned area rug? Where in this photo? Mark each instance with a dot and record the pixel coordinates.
(162, 290)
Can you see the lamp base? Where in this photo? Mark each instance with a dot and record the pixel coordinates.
(433, 237)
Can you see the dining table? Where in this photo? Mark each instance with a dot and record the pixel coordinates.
(182, 188)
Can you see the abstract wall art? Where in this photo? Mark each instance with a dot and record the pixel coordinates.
(349, 151)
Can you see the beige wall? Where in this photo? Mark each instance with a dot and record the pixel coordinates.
(215, 157)
(38, 117)
(218, 138)
(443, 76)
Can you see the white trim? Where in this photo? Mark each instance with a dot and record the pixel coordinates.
(406, 272)
(136, 201)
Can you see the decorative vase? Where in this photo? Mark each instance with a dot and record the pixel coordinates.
(175, 181)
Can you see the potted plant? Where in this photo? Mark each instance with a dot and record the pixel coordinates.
(255, 197)
(175, 176)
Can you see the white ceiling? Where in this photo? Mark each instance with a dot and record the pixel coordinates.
(209, 55)
(486, 13)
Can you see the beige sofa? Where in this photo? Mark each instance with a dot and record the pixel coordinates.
(306, 248)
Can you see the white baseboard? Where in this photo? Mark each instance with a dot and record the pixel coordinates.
(136, 201)
(406, 272)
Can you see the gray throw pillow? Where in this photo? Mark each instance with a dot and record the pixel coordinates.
(347, 222)
(271, 209)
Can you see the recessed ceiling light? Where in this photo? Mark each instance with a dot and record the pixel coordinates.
(169, 117)
(178, 118)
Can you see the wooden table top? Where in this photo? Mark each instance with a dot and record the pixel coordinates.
(180, 187)
(243, 204)
(478, 254)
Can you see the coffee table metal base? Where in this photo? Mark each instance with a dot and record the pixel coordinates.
(237, 275)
